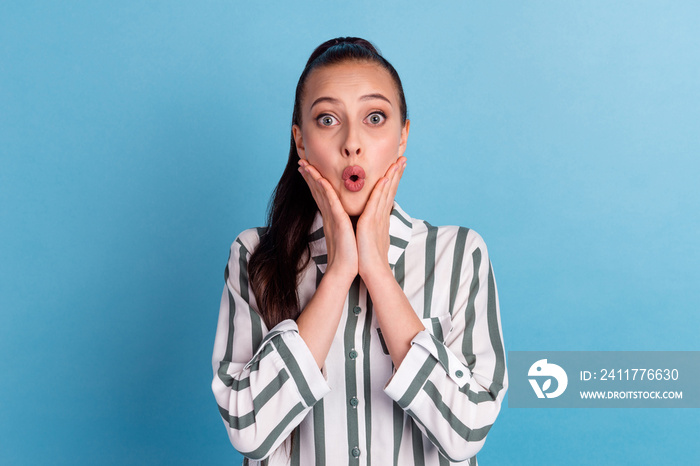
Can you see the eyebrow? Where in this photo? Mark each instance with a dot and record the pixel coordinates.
(363, 98)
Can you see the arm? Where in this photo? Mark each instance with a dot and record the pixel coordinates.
(319, 320)
(395, 316)
(453, 386)
(451, 383)
(264, 382)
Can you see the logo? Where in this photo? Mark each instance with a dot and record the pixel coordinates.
(543, 369)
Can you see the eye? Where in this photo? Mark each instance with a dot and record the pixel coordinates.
(376, 118)
(326, 120)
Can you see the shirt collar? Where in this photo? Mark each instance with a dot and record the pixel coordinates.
(400, 228)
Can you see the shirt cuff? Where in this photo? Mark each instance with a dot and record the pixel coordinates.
(296, 358)
(426, 353)
(410, 376)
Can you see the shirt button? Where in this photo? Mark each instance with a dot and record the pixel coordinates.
(352, 354)
(356, 310)
(459, 373)
(354, 402)
(356, 452)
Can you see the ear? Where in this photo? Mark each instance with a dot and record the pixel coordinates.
(298, 141)
(404, 137)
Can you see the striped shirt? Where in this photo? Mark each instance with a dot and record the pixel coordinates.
(434, 409)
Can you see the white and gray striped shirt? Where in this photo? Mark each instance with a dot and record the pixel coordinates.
(435, 409)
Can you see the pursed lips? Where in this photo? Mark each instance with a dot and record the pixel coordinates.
(354, 178)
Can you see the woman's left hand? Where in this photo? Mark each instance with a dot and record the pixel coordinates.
(373, 225)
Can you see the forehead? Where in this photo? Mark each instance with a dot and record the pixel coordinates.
(350, 80)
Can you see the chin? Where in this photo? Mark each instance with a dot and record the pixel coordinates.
(354, 209)
(354, 212)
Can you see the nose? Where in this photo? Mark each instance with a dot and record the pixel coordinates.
(352, 145)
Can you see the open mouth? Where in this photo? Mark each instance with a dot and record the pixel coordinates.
(354, 178)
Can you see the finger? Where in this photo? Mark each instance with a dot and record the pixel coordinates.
(311, 170)
(311, 183)
(323, 189)
(330, 194)
(395, 182)
(313, 177)
(386, 200)
(316, 191)
(322, 184)
(325, 195)
(375, 198)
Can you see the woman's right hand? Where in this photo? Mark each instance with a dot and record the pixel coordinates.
(337, 226)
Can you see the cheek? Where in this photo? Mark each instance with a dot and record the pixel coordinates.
(317, 149)
(319, 154)
(386, 150)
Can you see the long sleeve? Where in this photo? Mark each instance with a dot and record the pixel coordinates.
(265, 382)
(453, 379)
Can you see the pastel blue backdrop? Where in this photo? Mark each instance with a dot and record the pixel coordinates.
(137, 139)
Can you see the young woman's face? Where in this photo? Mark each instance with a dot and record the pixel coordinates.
(351, 117)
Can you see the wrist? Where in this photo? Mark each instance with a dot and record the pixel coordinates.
(377, 276)
(341, 279)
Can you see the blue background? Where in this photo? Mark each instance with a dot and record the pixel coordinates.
(138, 139)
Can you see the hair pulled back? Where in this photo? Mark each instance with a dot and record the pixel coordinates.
(283, 251)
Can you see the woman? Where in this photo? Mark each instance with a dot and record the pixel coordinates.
(350, 332)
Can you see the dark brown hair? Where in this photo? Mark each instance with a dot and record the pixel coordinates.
(284, 251)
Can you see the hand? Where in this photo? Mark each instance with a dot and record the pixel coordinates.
(373, 225)
(337, 226)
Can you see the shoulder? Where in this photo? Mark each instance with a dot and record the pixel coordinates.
(246, 242)
(458, 238)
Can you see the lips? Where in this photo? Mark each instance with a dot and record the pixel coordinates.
(354, 178)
